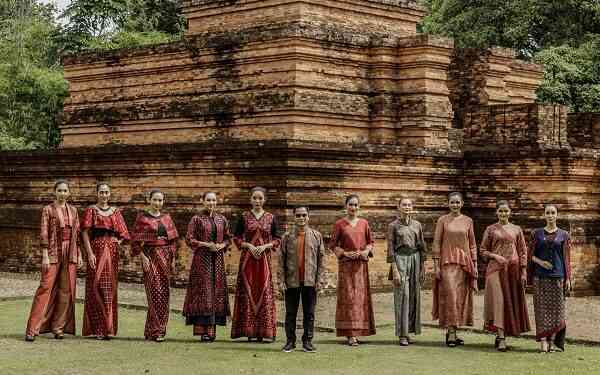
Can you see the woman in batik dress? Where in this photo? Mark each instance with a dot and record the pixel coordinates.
(154, 239)
(207, 300)
(103, 230)
(256, 235)
(505, 307)
(406, 253)
(550, 272)
(352, 244)
(53, 308)
(455, 262)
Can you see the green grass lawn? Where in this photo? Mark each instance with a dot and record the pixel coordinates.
(183, 354)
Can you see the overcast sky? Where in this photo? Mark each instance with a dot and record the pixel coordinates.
(60, 4)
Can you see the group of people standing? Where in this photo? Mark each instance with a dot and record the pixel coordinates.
(300, 253)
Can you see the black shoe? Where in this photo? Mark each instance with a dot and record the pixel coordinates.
(289, 347)
(308, 347)
(29, 338)
(450, 343)
(59, 335)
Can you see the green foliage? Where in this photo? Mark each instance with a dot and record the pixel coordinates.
(572, 75)
(109, 24)
(561, 35)
(32, 87)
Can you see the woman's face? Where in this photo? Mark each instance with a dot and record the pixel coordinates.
(62, 192)
(353, 206)
(210, 202)
(103, 194)
(455, 204)
(156, 201)
(550, 214)
(405, 207)
(257, 199)
(503, 213)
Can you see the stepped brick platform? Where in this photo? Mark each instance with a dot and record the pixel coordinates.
(312, 100)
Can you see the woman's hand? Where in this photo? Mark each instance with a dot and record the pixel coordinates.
(567, 288)
(397, 279)
(145, 263)
(352, 254)
(91, 260)
(45, 263)
(500, 259)
(545, 264)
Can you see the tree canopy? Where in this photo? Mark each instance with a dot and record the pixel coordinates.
(562, 35)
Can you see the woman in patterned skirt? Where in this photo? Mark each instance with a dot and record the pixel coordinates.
(550, 272)
(154, 238)
(207, 300)
(103, 230)
(257, 237)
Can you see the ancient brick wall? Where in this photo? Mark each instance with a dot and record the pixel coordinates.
(525, 125)
(318, 174)
(584, 130)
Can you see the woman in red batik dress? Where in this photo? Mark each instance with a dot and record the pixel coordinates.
(207, 300)
(505, 306)
(352, 244)
(154, 238)
(257, 237)
(53, 308)
(103, 230)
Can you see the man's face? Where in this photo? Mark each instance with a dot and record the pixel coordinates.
(301, 216)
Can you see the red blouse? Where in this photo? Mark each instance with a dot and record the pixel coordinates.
(113, 223)
(350, 238)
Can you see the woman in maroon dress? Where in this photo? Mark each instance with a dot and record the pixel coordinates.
(154, 238)
(207, 300)
(103, 230)
(53, 308)
(352, 243)
(505, 306)
(257, 237)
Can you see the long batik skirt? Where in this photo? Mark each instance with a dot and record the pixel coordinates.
(100, 316)
(407, 296)
(505, 306)
(354, 311)
(454, 297)
(549, 306)
(53, 308)
(206, 302)
(156, 282)
(254, 314)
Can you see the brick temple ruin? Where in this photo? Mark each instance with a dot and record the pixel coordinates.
(312, 100)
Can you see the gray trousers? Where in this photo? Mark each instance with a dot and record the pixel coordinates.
(407, 296)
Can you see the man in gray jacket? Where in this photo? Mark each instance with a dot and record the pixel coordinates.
(300, 276)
